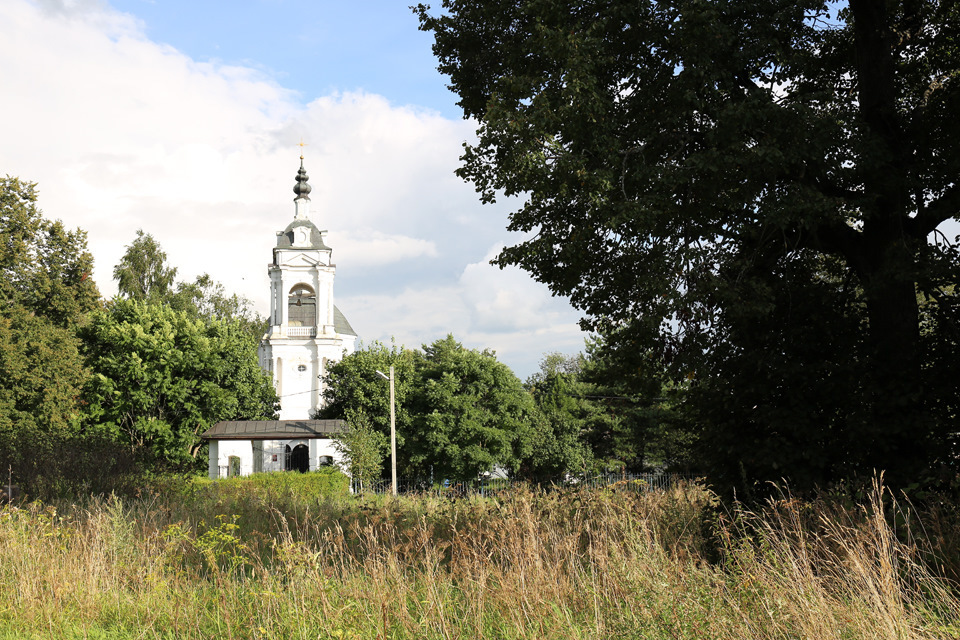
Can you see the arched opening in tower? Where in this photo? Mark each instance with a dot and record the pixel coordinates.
(302, 306)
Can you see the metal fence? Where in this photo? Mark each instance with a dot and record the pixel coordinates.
(488, 486)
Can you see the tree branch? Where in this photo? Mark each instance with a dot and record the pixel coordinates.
(833, 191)
(929, 217)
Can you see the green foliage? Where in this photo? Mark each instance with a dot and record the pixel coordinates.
(710, 182)
(940, 313)
(353, 387)
(220, 547)
(526, 564)
(42, 442)
(41, 376)
(46, 292)
(472, 414)
(42, 372)
(363, 448)
(560, 395)
(204, 298)
(43, 266)
(642, 422)
(325, 481)
(142, 273)
(609, 422)
(770, 401)
(460, 412)
(161, 378)
(250, 496)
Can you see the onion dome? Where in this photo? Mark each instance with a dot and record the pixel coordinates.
(302, 189)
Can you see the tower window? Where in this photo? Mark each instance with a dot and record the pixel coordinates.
(302, 306)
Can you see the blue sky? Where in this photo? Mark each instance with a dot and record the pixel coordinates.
(182, 119)
(316, 47)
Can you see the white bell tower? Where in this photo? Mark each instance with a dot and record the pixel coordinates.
(306, 329)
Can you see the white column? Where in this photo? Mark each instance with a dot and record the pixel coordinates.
(213, 466)
(314, 454)
(282, 302)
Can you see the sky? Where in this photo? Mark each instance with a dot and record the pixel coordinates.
(183, 118)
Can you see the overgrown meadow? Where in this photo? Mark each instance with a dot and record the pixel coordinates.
(290, 556)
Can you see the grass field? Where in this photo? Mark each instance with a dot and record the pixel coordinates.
(271, 558)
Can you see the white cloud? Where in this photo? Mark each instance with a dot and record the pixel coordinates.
(124, 133)
(504, 300)
(367, 248)
(486, 308)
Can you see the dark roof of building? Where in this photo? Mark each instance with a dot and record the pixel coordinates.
(273, 429)
(285, 238)
(340, 323)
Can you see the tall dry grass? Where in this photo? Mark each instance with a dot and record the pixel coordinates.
(526, 564)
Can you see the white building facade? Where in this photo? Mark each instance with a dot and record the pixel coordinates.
(306, 333)
(306, 329)
(242, 447)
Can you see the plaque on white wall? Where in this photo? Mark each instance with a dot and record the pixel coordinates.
(303, 235)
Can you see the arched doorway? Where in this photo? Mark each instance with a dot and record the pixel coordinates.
(298, 458)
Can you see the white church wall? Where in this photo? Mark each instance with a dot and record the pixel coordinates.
(324, 447)
(302, 391)
(272, 455)
(324, 289)
(229, 448)
(297, 381)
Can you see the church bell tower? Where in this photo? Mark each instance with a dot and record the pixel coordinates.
(307, 330)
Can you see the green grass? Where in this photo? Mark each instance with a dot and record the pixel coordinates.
(277, 557)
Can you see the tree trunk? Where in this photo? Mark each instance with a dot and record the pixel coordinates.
(898, 435)
(898, 432)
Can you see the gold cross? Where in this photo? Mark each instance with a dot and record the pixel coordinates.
(302, 145)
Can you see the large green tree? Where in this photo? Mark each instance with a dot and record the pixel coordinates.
(205, 298)
(599, 409)
(352, 387)
(144, 273)
(564, 401)
(687, 164)
(41, 379)
(161, 378)
(460, 412)
(44, 267)
(471, 415)
(46, 292)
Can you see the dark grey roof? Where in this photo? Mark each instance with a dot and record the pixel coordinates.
(341, 324)
(272, 429)
(285, 238)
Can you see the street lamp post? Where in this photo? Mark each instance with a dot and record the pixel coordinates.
(393, 433)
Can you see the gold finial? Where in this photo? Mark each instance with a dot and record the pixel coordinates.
(302, 145)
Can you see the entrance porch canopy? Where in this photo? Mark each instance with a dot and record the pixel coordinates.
(273, 429)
